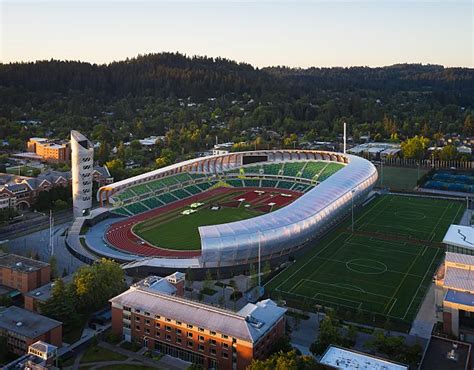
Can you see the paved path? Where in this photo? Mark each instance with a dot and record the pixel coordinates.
(426, 317)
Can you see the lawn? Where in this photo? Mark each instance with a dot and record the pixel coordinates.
(384, 268)
(181, 231)
(98, 354)
(398, 178)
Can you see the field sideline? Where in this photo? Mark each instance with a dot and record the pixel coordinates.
(383, 268)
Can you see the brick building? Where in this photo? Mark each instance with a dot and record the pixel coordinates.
(156, 317)
(49, 150)
(35, 297)
(22, 328)
(22, 273)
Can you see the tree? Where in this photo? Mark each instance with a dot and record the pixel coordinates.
(61, 305)
(95, 285)
(285, 361)
(328, 334)
(415, 147)
(116, 168)
(54, 267)
(468, 124)
(448, 153)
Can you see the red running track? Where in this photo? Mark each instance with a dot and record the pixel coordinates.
(119, 235)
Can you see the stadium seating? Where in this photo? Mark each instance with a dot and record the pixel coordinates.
(312, 169)
(284, 184)
(182, 177)
(269, 183)
(252, 183)
(193, 189)
(292, 168)
(136, 208)
(256, 170)
(152, 203)
(180, 194)
(125, 195)
(167, 198)
(235, 183)
(300, 187)
(140, 189)
(205, 185)
(330, 170)
(272, 169)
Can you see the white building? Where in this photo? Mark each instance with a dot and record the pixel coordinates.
(82, 166)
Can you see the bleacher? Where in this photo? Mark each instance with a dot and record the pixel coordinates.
(235, 183)
(330, 170)
(125, 195)
(285, 184)
(167, 198)
(293, 168)
(301, 187)
(180, 194)
(140, 189)
(269, 183)
(312, 169)
(152, 202)
(205, 185)
(193, 189)
(272, 169)
(121, 212)
(256, 170)
(252, 183)
(135, 208)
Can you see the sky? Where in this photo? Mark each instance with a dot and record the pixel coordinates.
(262, 33)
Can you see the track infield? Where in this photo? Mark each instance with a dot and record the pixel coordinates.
(383, 268)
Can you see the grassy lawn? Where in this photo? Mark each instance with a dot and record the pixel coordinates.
(181, 231)
(384, 268)
(398, 178)
(99, 354)
(23, 171)
(125, 367)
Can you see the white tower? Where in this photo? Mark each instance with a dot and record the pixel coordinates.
(82, 165)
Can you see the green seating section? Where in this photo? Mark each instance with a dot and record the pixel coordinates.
(300, 187)
(293, 168)
(269, 183)
(235, 183)
(180, 194)
(253, 170)
(126, 194)
(140, 189)
(312, 169)
(135, 208)
(284, 184)
(330, 170)
(272, 169)
(205, 185)
(167, 198)
(152, 202)
(193, 189)
(252, 183)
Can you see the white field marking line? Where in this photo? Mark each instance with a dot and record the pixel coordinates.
(375, 248)
(439, 219)
(419, 286)
(400, 228)
(393, 271)
(365, 282)
(373, 206)
(391, 307)
(378, 272)
(310, 260)
(359, 303)
(347, 286)
(312, 298)
(459, 208)
(376, 214)
(404, 277)
(296, 285)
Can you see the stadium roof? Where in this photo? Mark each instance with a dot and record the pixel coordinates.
(297, 221)
(459, 258)
(342, 358)
(460, 236)
(459, 279)
(203, 315)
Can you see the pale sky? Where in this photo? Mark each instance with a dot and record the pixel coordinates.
(262, 33)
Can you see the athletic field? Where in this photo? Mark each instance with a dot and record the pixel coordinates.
(383, 268)
(181, 231)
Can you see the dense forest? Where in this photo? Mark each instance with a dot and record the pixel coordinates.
(192, 100)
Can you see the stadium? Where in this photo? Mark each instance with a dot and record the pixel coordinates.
(222, 211)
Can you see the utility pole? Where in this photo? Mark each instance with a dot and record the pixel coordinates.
(259, 262)
(344, 138)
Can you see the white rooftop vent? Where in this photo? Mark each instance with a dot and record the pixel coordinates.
(18, 264)
(19, 323)
(254, 322)
(38, 293)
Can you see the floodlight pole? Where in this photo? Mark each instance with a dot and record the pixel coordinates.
(381, 173)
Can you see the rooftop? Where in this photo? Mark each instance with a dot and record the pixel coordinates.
(460, 236)
(20, 263)
(446, 354)
(459, 279)
(249, 324)
(460, 298)
(342, 358)
(26, 323)
(43, 293)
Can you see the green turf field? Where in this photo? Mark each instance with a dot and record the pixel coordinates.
(181, 231)
(399, 178)
(383, 268)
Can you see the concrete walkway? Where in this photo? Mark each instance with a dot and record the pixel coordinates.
(426, 318)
